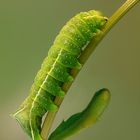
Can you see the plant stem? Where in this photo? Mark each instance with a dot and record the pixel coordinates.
(83, 58)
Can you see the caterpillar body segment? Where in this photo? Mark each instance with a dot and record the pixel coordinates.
(55, 70)
(30, 113)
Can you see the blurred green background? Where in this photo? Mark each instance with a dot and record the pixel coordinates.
(27, 30)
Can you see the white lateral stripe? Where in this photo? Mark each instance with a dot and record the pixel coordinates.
(19, 111)
(33, 103)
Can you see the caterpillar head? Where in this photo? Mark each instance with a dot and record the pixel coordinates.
(97, 19)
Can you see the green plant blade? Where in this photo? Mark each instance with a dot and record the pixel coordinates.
(84, 119)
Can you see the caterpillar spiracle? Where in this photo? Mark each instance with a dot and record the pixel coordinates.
(55, 70)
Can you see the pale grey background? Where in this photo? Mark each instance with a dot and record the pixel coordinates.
(28, 28)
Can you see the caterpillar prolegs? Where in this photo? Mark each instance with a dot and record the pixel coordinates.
(55, 70)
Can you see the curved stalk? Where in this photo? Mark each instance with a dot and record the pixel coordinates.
(83, 58)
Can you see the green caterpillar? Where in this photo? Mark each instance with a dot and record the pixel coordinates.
(55, 70)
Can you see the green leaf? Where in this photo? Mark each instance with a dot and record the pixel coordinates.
(84, 119)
